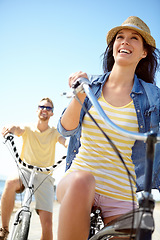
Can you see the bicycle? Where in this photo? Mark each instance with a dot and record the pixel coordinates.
(20, 226)
(139, 223)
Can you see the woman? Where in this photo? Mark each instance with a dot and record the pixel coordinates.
(97, 176)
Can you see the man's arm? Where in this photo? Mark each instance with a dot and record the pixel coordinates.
(63, 141)
(16, 130)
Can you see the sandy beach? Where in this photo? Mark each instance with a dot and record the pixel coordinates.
(35, 228)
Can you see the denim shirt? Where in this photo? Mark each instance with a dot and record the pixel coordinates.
(146, 99)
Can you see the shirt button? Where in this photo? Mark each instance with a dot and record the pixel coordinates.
(138, 110)
(74, 150)
(132, 95)
(67, 164)
(141, 126)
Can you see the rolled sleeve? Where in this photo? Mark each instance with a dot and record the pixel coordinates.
(65, 132)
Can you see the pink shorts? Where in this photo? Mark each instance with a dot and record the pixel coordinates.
(111, 207)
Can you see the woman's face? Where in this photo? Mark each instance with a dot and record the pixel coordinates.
(128, 48)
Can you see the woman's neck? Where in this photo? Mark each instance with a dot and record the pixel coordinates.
(123, 76)
(118, 87)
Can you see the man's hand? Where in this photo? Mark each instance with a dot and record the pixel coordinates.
(16, 130)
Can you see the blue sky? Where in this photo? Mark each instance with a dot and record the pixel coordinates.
(43, 41)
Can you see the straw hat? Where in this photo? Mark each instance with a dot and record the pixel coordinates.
(136, 24)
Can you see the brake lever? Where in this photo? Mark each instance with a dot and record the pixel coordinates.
(77, 86)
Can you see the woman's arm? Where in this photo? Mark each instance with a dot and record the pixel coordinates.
(71, 116)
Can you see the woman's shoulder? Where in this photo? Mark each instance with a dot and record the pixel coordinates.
(149, 86)
(153, 93)
(95, 79)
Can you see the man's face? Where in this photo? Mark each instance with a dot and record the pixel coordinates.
(45, 110)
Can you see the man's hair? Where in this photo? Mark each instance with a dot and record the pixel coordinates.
(48, 100)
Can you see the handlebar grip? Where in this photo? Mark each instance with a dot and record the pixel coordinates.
(80, 81)
(76, 84)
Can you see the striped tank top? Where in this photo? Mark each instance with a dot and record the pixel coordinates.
(97, 156)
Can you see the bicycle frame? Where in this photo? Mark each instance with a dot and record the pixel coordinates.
(140, 221)
(20, 227)
(25, 205)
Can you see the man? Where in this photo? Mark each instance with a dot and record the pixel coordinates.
(39, 150)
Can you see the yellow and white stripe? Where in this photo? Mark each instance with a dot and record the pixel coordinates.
(97, 156)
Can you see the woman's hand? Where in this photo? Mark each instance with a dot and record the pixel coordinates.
(70, 118)
(74, 76)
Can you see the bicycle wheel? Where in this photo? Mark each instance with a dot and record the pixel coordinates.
(22, 228)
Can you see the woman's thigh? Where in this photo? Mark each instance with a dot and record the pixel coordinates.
(76, 183)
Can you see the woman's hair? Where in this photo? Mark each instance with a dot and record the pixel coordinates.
(146, 68)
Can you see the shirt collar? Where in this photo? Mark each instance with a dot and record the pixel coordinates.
(136, 86)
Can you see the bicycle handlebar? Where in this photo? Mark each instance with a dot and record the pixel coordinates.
(83, 85)
(9, 137)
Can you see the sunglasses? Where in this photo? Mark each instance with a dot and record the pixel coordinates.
(46, 107)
